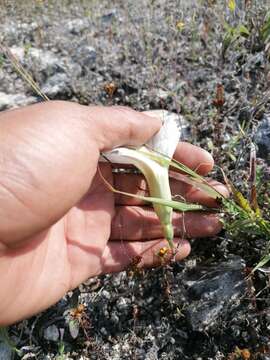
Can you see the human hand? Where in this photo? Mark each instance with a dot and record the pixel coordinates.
(59, 223)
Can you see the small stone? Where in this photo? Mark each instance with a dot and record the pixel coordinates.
(104, 331)
(255, 61)
(86, 56)
(77, 26)
(114, 318)
(109, 17)
(10, 101)
(58, 84)
(46, 61)
(6, 352)
(106, 294)
(211, 290)
(162, 94)
(51, 333)
(122, 304)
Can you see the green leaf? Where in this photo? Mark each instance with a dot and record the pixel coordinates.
(264, 261)
(5, 338)
(74, 328)
(265, 31)
(2, 60)
(243, 30)
(176, 205)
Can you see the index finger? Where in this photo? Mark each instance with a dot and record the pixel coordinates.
(121, 126)
(194, 157)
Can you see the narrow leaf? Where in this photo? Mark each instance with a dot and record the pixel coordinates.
(176, 205)
(264, 261)
(243, 30)
(198, 181)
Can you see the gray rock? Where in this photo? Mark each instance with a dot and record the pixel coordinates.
(115, 318)
(58, 84)
(86, 55)
(122, 304)
(103, 331)
(53, 73)
(199, 76)
(262, 138)
(106, 295)
(6, 352)
(254, 62)
(77, 26)
(109, 17)
(41, 60)
(9, 101)
(211, 290)
(162, 94)
(152, 353)
(29, 352)
(46, 61)
(51, 333)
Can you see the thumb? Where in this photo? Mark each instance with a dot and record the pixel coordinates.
(118, 126)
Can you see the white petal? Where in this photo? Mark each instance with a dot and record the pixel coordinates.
(166, 140)
(117, 156)
(123, 155)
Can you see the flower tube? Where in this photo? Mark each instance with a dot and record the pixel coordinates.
(155, 172)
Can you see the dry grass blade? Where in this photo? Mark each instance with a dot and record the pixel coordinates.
(22, 72)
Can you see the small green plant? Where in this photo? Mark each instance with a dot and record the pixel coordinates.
(2, 60)
(264, 34)
(61, 351)
(243, 216)
(265, 30)
(27, 48)
(232, 34)
(232, 144)
(5, 338)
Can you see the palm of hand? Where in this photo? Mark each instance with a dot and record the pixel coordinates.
(46, 265)
(64, 255)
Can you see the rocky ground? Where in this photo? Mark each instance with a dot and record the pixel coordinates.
(152, 54)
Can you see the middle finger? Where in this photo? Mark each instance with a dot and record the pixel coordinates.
(136, 184)
(141, 222)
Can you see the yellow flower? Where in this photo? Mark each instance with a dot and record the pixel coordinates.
(231, 5)
(180, 25)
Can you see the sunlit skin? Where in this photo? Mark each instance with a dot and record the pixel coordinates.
(59, 223)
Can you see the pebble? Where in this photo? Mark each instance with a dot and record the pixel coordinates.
(211, 290)
(51, 333)
(9, 101)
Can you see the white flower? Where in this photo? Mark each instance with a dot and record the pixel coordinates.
(156, 173)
